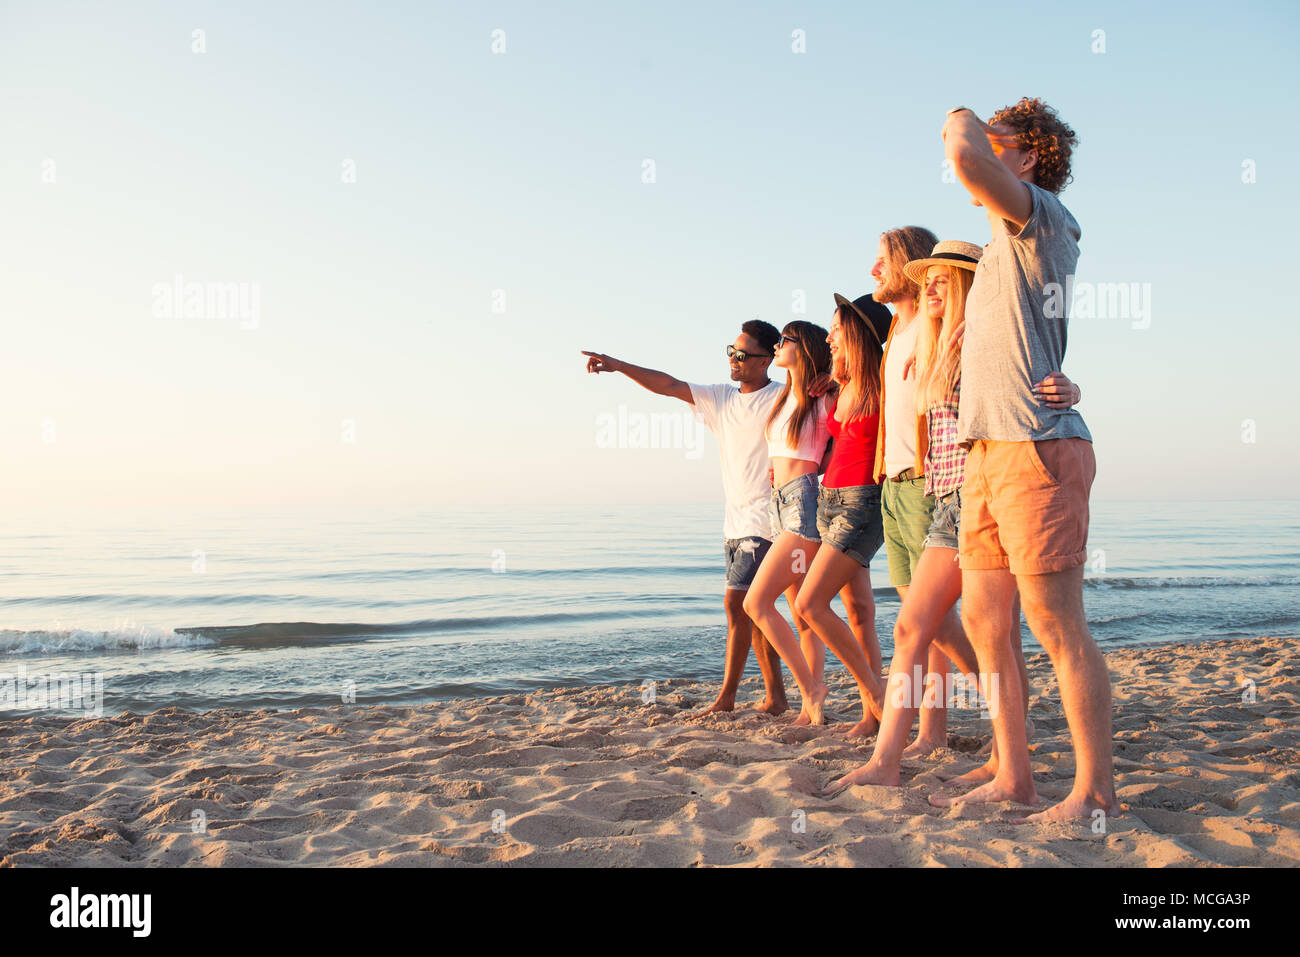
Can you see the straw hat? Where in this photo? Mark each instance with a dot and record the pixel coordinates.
(950, 252)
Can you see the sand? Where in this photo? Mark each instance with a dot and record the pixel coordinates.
(594, 777)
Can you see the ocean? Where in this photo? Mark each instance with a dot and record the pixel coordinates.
(286, 610)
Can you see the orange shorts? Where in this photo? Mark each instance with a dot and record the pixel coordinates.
(1025, 505)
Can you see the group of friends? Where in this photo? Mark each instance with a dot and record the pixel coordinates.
(946, 431)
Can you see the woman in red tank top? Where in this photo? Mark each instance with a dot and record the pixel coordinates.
(848, 518)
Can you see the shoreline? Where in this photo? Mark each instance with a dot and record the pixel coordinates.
(15, 668)
(591, 776)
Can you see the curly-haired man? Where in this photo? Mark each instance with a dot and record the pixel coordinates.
(1024, 520)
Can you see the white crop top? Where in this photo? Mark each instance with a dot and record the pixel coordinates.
(812, 438)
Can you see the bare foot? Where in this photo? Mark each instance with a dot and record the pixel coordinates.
(992, 792)
(804, 718)
(768, 706)
(813, 704)
(869, 773)
(921, 747)
(985, 772)
(1073, 808)
(871, 707)
(864, 728)
(720, 706)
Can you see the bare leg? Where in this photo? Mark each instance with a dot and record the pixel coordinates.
(1019, 651)
(769, 663)
(934, 590)
(775, 575)
(1054, 611)
(950, 643)
(830, 571)
(987, 596)
(860, 606)
(739, 635)
(989, 770)
(933, 733)
(814, 652)
(932, 729)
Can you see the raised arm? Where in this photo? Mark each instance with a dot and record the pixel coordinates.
(969, 144)
(660, 383)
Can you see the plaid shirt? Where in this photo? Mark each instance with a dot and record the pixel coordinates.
(945, 460)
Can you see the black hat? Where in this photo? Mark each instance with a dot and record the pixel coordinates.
(875, 314)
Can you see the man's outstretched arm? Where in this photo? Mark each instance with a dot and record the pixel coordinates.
(658, 382)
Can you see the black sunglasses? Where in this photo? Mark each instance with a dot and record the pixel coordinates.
(740, 355)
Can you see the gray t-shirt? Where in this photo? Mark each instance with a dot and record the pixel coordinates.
(1016, 325)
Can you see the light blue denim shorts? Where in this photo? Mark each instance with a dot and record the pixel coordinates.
(849, 521)
(793, 508)
(945, 526)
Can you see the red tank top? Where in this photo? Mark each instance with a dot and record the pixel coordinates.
(853, 459)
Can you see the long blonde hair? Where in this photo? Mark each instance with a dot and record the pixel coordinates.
(938, 365)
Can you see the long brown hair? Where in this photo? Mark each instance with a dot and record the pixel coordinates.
(812, 358)
(938, 366)
(862, 355)
(902, 245)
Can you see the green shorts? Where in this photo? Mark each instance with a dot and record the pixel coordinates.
(907, 512)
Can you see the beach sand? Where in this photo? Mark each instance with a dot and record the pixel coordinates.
(594, 777)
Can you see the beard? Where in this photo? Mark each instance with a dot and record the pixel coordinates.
(898, 289)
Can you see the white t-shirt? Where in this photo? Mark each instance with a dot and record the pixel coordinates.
(900, 401)
(738, 420)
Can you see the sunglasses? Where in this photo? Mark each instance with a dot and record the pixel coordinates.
(740, 355)
(785, 339)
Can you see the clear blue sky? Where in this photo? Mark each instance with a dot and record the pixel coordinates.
(522, 171)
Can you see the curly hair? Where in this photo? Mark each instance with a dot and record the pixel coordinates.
(1038, 127)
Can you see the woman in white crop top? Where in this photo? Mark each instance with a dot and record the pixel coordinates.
(797, 439)
(812, 438)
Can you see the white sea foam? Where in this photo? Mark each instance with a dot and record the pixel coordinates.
(64, 639)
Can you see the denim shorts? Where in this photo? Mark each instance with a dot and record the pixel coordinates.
(946, 523)
(849, 521)
(744, 555)
(793, 508)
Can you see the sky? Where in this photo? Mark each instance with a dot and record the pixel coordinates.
(425, 211)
